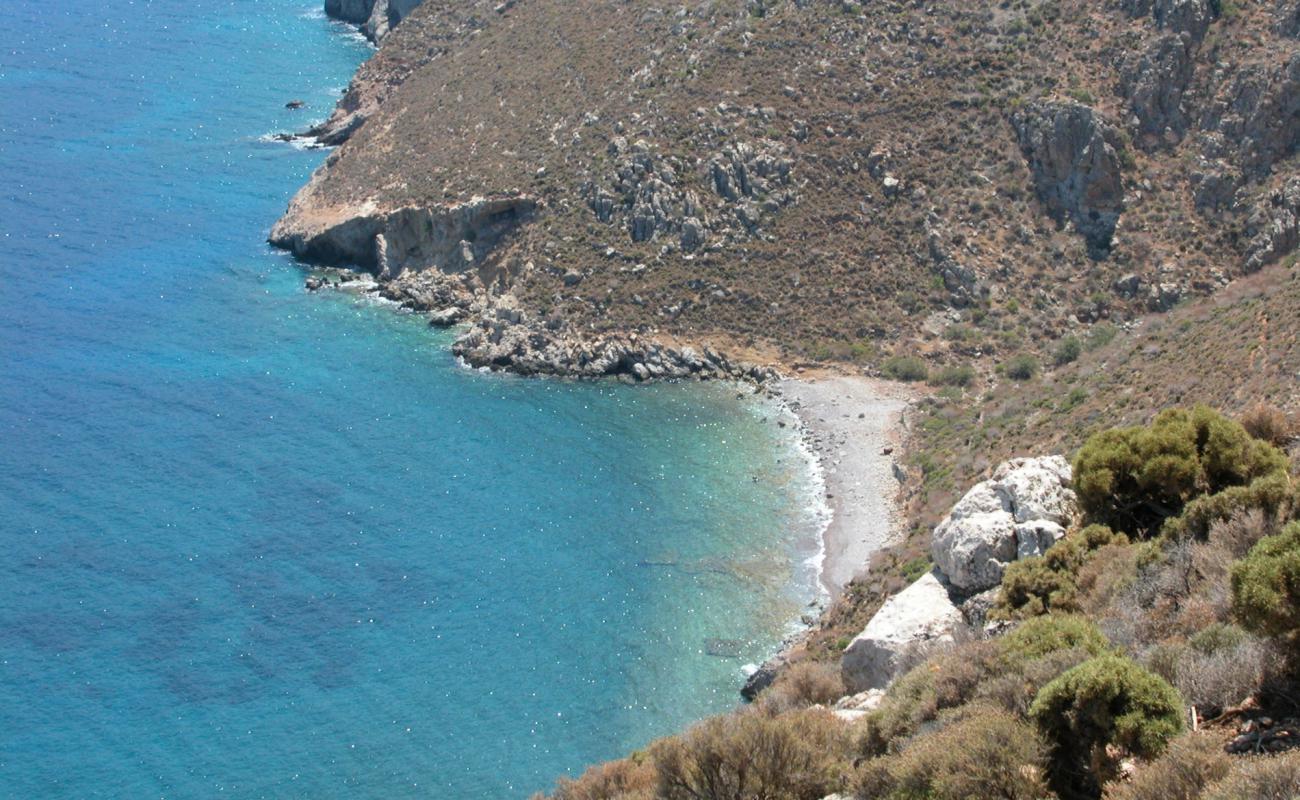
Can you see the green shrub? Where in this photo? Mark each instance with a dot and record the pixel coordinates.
(1191, 763)
(1041, 636)
(1266, 584)
(1021, 368)
(1068, 351)
(1031, 588)
(1039, 584)
(982, 752)
(1101, 335)
(1273, 494)
(906, 368)
(1133, 479)
(963, 376)
(1216, 637)
(1105, 702)
(750, 754)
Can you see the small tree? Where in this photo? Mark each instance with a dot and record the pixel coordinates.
(1104, 703)
(1266, 584)
(1135, 478)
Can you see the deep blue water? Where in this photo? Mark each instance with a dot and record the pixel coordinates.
(260, 543)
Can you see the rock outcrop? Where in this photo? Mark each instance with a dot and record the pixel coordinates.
(456, 237)
(1021, 511)
(651, 195)
(1288, 17)
(506, 337)
(919, 617)
(1154, 83)
(1074, 159)
(1275, 226)
(375, 17)
(1192, 17)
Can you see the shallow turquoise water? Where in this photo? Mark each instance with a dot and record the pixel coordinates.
(259, 543)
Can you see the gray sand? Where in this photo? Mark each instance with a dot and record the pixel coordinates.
(850, 422)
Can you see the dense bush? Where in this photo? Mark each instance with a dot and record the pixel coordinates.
(1021, 368)
(1106, 702)
(906, 368)
(799, 755)
(1015, 689)
(1268, 423)
(962, 376)
(1044, 635)
(1273, 495)
(1191, 763)
(983, 752)
(632, 778)
(1266, 584)
(1268, 778)
(804, 684)
(1067, 351)
(1133, 479)
(1039, 584)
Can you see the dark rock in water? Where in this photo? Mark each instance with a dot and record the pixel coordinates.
(294, 104)
(723, 648)
(313, 283)
(763, 677)
(283, 137)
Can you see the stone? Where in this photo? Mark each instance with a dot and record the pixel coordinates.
(446, 317)
(1019, 512)
(1128, 286)
(1074, 159)
(917, 618)
(572, 278)
(869, 700)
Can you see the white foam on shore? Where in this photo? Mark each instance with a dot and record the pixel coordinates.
(814, 516)
(296, 141)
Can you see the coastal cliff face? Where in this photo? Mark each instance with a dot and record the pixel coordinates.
(375, 17)
(812, 178)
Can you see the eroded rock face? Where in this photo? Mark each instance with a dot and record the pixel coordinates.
(455, 238)
(919, 617)
(1155, 82)
(1288, 17)
(376, 17)
(1192, 17)
(1075, 167)
(1020, 512)
(1275, 226)
(652, 195)
(1253, 120)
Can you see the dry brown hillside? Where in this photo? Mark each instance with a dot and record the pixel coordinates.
(825, 180)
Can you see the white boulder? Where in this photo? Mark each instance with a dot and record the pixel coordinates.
(920, 616)
(1020, 512)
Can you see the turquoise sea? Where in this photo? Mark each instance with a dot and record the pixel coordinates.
(260, 543)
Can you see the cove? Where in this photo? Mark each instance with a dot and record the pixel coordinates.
(269, 544)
